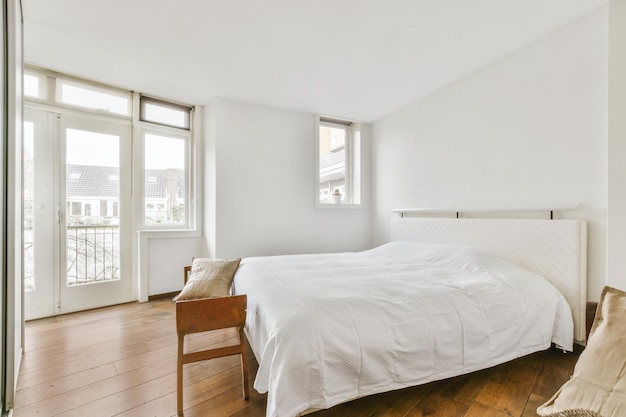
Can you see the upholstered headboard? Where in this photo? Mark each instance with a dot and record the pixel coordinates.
(554, 249)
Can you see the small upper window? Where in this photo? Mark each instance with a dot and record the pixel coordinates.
(92, 97)
(164, 113)
(35, 84)
(31, 86)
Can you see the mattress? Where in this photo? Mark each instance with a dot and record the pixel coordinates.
(329, 328)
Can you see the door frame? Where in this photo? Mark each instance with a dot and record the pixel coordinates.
(57, 120)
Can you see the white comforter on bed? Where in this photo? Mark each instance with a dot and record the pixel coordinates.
(329, 328)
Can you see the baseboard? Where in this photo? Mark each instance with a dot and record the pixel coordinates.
(161, 296)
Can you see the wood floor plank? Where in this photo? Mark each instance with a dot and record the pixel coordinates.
(95, 391)
(72, 367)
(534, 401)
(436, 405)
(480, 410)
(556, 369)
(65, 384)
(38, 361)
(115, 404)
(228, 403)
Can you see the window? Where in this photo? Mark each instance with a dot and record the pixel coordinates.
(338, 162)
(165, 174)
(160, 164)
(164, 113)
(35, 85)
(91, 97)
(77, 208)
(167, 138)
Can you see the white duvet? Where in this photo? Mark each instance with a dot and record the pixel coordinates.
(329, 328)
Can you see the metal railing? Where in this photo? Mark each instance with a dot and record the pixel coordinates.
(333, 158)
(92, 254)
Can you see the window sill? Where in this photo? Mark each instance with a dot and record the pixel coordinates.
(168, 233)
(338, 206)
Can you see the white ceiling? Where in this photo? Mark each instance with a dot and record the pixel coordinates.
(359, 59)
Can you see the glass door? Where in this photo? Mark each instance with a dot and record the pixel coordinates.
(94, 205)
(77, 241)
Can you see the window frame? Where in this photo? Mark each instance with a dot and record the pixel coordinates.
(48, 99)
(61, 80)
(352, 163)
(143, 100)
(147, 128)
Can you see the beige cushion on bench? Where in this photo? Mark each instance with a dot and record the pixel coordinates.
(599, 380)
(209, 278)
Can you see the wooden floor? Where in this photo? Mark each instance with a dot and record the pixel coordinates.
(121, 361)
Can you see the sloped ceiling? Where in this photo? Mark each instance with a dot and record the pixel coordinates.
(359, 59)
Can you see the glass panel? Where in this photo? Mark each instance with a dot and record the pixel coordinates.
(161, 112)
(29, 196)
(92, 234)
(164, 180)
(332, 164)
(167, 116)
(93, 98)
(31, 86)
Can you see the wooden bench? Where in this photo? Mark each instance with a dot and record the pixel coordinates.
(206, 314)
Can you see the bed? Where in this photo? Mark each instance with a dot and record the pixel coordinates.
(445, 297)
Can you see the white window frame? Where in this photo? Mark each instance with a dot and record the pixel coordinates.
(353, 163)
(49, 97)
(145, 100)
(141, 130)
(49, 93)
(110, 91)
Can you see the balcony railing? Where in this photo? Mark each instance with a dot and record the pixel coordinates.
(333, 158)
(93, 254)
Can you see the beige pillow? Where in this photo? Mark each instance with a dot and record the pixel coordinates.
(599, 379)
(209, 278)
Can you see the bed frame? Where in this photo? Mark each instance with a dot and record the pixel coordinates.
(554, 249)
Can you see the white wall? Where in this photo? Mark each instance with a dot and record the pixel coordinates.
(261, 162)
(616, 262)
(528, 130)
(166, 259)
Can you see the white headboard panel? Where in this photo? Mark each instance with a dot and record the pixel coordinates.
(554, 249)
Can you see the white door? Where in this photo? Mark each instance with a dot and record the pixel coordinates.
(77, 213)
(95, 213)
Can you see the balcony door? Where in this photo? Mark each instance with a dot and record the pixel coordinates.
(94, 213)
(81, 203)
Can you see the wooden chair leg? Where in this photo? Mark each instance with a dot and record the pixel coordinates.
(179, 377)
(244, 366)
